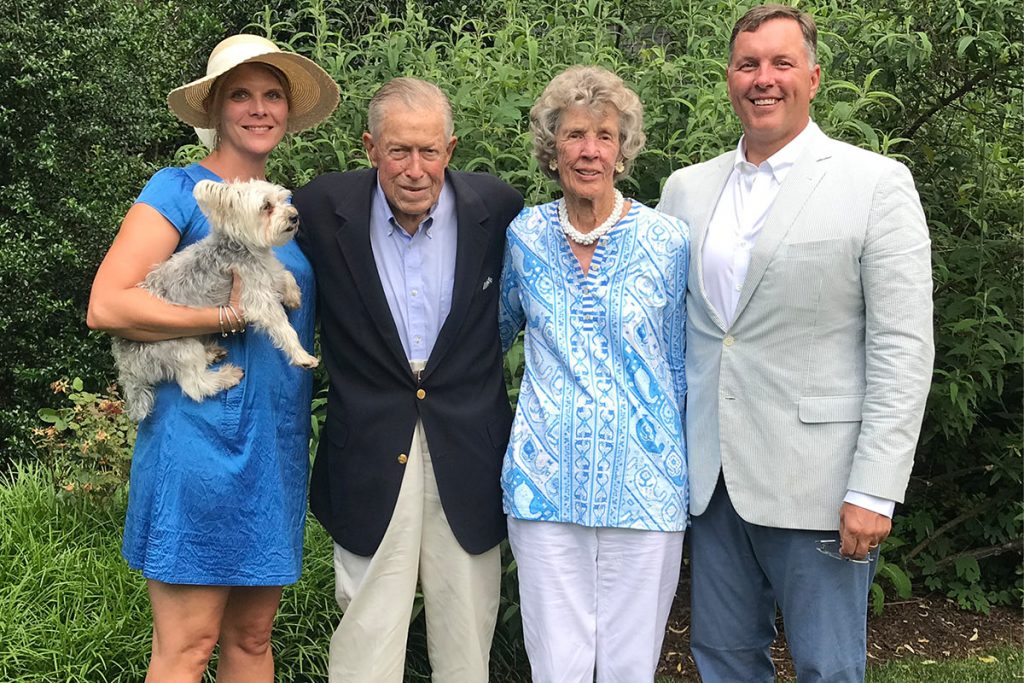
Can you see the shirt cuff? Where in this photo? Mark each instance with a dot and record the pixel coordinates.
(882, 506)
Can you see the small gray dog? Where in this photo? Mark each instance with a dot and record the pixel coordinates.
(246, 219)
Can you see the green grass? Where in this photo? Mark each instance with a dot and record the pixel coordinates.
(1000, 666)
(71, 610)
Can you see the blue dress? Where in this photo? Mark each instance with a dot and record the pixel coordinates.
(217, 494)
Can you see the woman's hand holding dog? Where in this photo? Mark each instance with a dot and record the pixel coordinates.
(235, 298)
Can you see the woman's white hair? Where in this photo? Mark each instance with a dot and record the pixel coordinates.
(414, 94)
(596, 89)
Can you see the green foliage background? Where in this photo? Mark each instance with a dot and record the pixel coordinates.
(83, 123)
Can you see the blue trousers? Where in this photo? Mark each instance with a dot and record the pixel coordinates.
(742, 572)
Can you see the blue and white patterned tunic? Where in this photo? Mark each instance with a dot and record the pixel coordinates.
(597, 438)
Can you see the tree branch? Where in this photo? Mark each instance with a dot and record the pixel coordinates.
(955, 474)
(969, 85)
(956, 521)
(979, 553)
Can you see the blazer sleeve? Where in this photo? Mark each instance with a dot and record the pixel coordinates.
(899, 348)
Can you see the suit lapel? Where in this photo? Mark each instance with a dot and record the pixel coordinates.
(471, 248)
(718, 176)
(353, 238)
(805, 176)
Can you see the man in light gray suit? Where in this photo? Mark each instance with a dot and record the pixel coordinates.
(809, 356)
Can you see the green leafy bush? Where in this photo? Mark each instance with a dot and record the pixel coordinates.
(956, 71)
(87, 445)
(937, 85)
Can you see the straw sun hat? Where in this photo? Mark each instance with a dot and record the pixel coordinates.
(313, 93)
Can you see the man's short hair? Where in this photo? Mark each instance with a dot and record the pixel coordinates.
(414, 94)
(752, 20)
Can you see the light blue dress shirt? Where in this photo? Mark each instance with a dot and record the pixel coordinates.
(417, 271)
(597, 438)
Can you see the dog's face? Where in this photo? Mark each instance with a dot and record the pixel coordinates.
(253, 212)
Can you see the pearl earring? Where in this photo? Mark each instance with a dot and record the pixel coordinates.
(619, 166)
(553, 164)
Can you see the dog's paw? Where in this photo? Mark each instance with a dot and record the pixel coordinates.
(200, 384)
(230, 375)
(291, 298)
(306, 361)
(215, 353)
(288, 288)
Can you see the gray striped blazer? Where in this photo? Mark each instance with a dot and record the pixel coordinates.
(819, 384)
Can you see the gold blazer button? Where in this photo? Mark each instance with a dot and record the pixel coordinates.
(402, 458)
(420, 393)
(729, 341)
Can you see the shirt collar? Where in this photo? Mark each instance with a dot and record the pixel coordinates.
(443, 199)
(782, 161)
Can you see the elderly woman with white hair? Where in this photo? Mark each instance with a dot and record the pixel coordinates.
(217, 496)
(594, 479)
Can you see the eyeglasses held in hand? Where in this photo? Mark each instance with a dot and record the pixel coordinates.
(830, 547)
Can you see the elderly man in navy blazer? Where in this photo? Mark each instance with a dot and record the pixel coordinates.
(406, 480)
(808, 357)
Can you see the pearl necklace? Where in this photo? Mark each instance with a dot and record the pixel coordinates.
(587, 238)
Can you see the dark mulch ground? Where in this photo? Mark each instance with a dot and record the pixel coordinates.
(929, 627)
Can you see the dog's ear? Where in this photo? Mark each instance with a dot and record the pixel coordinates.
(220, 202)
(208, 194)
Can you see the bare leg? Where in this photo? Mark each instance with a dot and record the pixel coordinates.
(186, 621)
(245, 654)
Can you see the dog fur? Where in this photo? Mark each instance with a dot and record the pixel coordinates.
(246, 220)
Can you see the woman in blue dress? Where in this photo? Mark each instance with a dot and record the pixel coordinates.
(217, 495)
(594, 479)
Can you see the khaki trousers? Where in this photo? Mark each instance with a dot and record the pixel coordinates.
(460, 592)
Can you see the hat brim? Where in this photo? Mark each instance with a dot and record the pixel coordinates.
(313, 93)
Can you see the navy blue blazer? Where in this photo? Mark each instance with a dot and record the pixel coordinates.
(374, 399)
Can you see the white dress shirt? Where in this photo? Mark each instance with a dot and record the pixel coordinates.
(734, 227)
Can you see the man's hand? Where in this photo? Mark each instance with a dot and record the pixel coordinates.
(861, 530)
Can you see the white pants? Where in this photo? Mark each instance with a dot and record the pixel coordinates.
(460, 592)
(594, 599)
